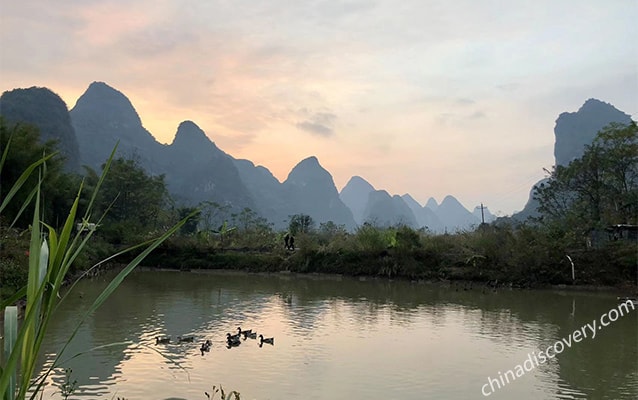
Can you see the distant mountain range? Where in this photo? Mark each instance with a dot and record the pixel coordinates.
(197, 170)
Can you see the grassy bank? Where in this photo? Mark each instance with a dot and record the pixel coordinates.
(520, 256)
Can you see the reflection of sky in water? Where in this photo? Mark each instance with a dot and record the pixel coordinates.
(335, 339)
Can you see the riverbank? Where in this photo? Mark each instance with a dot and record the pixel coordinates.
(491, 257)
(593, 270)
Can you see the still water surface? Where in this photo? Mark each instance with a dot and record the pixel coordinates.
(338, 338)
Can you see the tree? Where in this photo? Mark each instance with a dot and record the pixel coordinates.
(213, 214)
(620, 167)
(248, 220)
(300, 223)
(190, 227)
(26, 148)
(598, 189)
(135, 200)
(329, 231)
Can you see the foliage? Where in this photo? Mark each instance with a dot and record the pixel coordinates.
(598, 189)
(252, 229)
(26, 150)
(331, 232)
(14, 262)
(135, 201)
(300, 223)
(190, 227)
(369, 238)
(213, 215)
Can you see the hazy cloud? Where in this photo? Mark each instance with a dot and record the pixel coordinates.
(464, 101)
(460, 118)
(321, 123)
(476, 115)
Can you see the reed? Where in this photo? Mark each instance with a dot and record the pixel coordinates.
(51, 254)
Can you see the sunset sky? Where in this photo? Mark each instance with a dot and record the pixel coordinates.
(420, 96)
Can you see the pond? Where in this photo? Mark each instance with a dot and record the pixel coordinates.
(341, 338)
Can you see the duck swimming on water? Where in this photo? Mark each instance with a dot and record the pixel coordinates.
(233, 340)
(252, 335)
(185, 339)
(263, 340)
(206, 346)
(246, 332)
(165, 340)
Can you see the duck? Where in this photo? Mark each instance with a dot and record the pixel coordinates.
(263, 340)
(206, 346)
(251, 335)
(233, 339)
(185, 339)
(165, 340)
(245, 333)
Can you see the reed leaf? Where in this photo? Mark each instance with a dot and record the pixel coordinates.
(10, 336)
(15, 297)
(115, 282)
(49, 263)
(5, 152)
(33, 288)
(26, 203)
(12, 363)
(22, 179)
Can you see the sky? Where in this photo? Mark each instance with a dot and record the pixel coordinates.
(424, 97)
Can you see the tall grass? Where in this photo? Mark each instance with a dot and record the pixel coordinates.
(51, 254)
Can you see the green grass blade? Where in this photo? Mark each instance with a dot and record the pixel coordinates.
(60, 249)
(15, 297)
(26, 203)
(5, 152)
(105, 170)
(11, 364)
(22, 179)
(33, 285)
(10, 336)
(88, 271)
(129, 268)
(114, 284)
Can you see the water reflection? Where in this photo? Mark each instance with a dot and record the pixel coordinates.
(338, 337)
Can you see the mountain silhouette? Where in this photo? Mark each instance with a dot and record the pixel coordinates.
(454, 216)
(48, 112)
(385, 210)
(355, 195)
(102, 117)
(574, 130)
(310, 190)
(432, 204)
(266, 191)
(198, 170)
(425, 217)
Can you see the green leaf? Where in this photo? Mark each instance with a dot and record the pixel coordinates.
(10, 336)
(21, 180)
